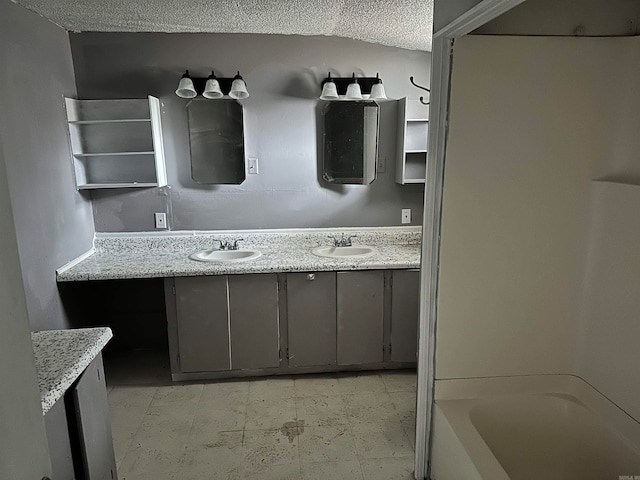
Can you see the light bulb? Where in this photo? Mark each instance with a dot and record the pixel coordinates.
(185, 87)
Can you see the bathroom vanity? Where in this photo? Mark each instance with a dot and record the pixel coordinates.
(285, 311)
(261, 324)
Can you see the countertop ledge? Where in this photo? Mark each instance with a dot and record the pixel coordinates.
(61, 357)
(129, 257)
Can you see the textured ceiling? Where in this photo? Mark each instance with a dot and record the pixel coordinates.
(399, 23)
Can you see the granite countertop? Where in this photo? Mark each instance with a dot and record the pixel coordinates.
(123, 257)
(62, 356)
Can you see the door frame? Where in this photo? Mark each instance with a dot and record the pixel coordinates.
(441, 62)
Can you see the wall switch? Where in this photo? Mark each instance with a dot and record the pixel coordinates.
(161, 220)
(406, 215)
(253, 166)
(382, 164)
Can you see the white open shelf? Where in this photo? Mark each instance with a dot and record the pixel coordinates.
(116, 143)
(108, 154)
(95, 186)
(89, 122)
(411, 161)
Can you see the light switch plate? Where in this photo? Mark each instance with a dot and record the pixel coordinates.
(161, 220)
(406, 215)
(253, 166)
(382, 164)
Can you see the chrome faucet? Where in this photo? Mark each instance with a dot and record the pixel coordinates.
(343, 241)
(227, 245)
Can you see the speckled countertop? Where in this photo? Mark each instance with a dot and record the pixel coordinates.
(152, 256)
(62, 356)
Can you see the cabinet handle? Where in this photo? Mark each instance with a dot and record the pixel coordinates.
(311, 276)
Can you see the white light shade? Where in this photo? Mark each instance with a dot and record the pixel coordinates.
(185, 88)
(329, 91)
(377, 92)
(212, 89)
(238, 89)
(353, 92)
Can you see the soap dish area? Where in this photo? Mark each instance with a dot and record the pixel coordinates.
(224, 256)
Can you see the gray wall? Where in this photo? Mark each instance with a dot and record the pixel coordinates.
(283, 74)
(23, 451)
(54, 223)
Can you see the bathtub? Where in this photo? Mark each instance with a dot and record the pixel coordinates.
(551, 427)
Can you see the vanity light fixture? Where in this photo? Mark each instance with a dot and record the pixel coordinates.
(238, 88)
(377, 90)
(329, 89)
(212, 87)
(352, 88)
(186, 88)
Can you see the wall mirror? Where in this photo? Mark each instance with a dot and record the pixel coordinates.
(216, 141)
(350, 142)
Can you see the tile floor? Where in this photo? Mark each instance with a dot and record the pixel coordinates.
(312, 427)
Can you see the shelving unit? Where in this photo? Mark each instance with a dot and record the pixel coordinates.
(116, 143)
(411, 161)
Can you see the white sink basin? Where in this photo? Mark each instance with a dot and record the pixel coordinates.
(225, 256)
(359, 251)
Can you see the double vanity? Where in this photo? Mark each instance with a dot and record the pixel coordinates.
(275, 302)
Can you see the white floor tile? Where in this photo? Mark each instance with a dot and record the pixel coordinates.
(326, 444)
(316, 385)
(316, 427)
(400, 381)
(265, 448)
(381, 441)
(270, 414)
(349, 470)
(177, 395)
(371, 408)
(321, 411)
(352, 384)
(388, 469)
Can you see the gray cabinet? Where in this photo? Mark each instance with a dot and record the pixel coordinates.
(258, 324)
(311, 317)
(57, 427)
(360, 307)
(93, 424)
(222, 323)
(203, 323)
(405, 315)
(78, 430)
(253, 317)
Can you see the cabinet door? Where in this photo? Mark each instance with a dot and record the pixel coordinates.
(203, 323)
(94, 424)
(57, 427)
(405, 315)
(253, 313)
(360, 317)
(311, 315)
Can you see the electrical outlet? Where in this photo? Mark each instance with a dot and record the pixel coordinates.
(253, 166)
(406, 215)
(161, 220)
